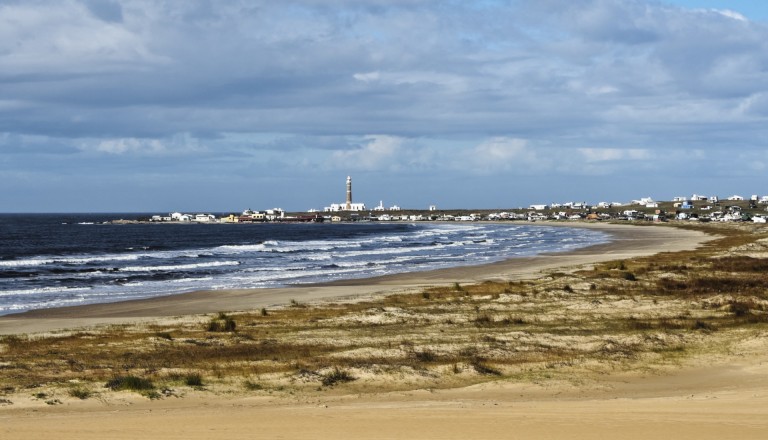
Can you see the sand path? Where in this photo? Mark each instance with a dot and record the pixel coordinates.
(705, 403)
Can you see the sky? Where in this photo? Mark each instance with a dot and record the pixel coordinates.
(223, 105)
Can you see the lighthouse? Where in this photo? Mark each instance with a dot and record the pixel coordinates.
(348, 205)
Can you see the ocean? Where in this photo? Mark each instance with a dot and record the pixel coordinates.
(55, 260)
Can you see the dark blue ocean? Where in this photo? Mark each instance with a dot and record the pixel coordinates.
(54, 260)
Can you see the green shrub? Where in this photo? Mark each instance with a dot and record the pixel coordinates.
(252, 386)
(164, 335)
(130, 383)
(629, 276)
(425, 355)
(483, 368)
(194, 380)
(222, 323)
(80, 393)
(337, 376)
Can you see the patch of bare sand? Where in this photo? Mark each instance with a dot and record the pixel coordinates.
(705, 402)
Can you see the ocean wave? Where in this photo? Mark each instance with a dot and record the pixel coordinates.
(151, 267)
(43, 291)
(179, 267)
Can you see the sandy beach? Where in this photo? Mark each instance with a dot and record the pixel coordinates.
(712, 399)
(628, 241)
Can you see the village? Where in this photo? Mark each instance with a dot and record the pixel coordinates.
(699, 208)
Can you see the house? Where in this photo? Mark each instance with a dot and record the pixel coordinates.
(538, 207)
(699, 198)
(643, 201)
(680, 199)
(204, 218)
(734, 198)
(274, 214)
(179, 217)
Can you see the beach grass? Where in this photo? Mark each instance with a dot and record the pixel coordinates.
(641, 313)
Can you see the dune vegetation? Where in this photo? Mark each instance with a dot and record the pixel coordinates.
(646, 314)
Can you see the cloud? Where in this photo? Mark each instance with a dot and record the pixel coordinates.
(483, 89)
(731, 14)
(182, 144)
(615, 154)
(65, 37)
(377, 154)
(502, 154)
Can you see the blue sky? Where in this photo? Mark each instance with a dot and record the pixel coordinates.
(203, 105)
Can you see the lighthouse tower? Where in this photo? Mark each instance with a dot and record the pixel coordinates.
(348, 206)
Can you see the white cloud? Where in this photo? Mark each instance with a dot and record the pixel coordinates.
(129, 145)
(182, 144)
(378, 153)
(502, 154)
(367, 77)
(615, 154)
(488, 89)
(64, 37)
(731, 14)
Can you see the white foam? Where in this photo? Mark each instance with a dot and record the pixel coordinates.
(177, 267)
(43, 291)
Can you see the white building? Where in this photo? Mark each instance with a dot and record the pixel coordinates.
(348, 205)
(204, 218)
(274, 214)
(179, 217)
(643, 201)
(338, 207)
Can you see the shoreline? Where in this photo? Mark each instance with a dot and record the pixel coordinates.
(706, 394)
(626, 241)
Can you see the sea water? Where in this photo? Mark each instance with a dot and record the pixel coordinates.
(54, 260)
